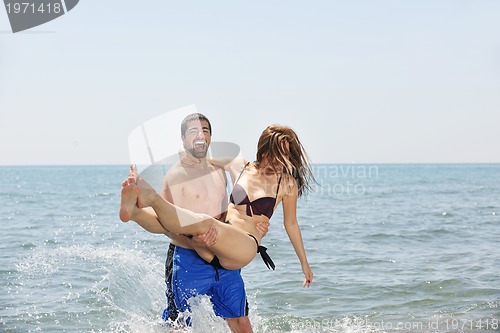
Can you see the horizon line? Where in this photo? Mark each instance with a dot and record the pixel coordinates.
(312, 164)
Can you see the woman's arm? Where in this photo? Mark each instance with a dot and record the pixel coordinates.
(293, 230)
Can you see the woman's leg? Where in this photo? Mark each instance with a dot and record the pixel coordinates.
(234, 247)
(146, 218)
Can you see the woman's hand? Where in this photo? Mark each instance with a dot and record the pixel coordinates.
(261, 224)
(308, 275)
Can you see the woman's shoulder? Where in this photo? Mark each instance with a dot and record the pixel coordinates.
(289, 186)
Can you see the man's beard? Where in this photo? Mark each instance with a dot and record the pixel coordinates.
(197, 153)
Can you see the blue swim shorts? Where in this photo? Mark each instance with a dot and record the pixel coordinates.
(189, 275)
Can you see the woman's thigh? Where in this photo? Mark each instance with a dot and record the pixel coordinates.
(234, 247)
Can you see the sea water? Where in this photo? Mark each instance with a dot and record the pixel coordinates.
(393, 248)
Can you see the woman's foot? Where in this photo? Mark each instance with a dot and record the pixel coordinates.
(129, 201)
(130, 194)
(136, 194)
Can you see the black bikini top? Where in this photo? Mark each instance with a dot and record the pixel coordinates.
(260, 206)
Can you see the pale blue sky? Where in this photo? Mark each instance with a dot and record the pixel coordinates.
(360, 81)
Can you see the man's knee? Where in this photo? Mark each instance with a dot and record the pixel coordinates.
(239, 325)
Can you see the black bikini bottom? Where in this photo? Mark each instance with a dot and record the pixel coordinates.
(263, 253)
(260, 249)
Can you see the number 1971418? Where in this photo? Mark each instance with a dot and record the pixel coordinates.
(32, 8)
(480, 324)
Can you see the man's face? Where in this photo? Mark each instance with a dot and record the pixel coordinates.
(196, 139)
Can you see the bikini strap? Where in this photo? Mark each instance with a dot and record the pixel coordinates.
(241, 173)
(279, 182)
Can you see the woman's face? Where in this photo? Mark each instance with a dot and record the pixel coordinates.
(276, 165)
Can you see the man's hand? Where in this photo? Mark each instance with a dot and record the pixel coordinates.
(207, 239)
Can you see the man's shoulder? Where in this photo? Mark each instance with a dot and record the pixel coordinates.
(221, 172)
(217, 168)
(176, 171)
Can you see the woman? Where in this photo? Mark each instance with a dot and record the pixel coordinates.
(281, 173)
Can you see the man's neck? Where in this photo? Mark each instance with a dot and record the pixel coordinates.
(189, 161)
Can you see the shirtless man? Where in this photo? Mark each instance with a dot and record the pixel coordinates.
(195, 184)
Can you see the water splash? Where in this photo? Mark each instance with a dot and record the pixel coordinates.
(88, 286)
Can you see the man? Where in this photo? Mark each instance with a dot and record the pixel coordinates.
(193, 183)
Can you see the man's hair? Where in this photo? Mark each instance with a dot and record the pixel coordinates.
(195, 117)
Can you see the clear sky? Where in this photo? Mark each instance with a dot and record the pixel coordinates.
(362, 81)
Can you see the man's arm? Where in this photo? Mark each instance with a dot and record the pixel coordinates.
(233, 165)
(225, 200)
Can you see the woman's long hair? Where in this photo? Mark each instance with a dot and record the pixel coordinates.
(292, 160)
